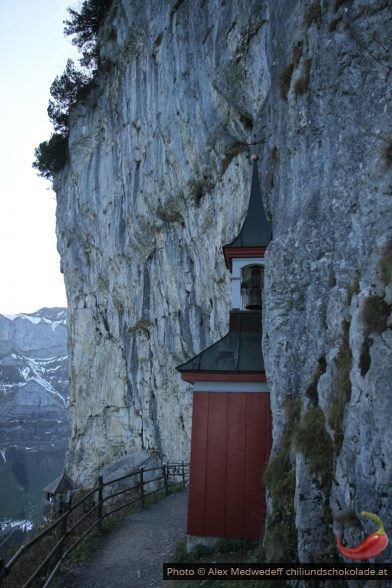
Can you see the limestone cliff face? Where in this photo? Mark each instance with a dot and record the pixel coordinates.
(327, 335)
(158, 180)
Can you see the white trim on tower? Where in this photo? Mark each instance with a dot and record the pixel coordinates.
(230, 387)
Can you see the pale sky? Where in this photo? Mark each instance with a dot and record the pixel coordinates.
(33, 50)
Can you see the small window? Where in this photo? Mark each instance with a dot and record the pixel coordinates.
(251, 286)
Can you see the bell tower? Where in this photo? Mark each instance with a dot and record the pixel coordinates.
(231, 421)
(245, 255)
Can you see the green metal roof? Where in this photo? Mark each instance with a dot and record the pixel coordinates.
(256, 231)
(238, 351)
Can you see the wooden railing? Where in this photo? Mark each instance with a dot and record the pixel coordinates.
(54, 544)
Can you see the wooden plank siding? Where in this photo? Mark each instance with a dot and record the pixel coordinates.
(197, 479)
(230, 447)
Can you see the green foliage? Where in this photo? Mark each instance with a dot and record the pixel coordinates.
(73, 85)
(85, 26)
(313, 441)
(51, 156)
(375, 313)
(179, 552)
(311, 391)
(280, 539)
(199, 186)
(281, 482)
(66, 90)
(342, 388)
(141, 326)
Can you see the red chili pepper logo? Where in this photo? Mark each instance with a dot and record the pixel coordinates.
(371, 546)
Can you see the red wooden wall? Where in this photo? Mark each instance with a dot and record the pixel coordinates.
(230, 447)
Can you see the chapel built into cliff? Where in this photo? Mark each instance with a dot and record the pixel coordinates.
(231, 421)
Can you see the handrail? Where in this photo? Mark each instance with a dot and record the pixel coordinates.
(67, 525)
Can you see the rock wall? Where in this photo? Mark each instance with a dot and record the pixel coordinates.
(327, 337)
(153, 189)
(158, 179)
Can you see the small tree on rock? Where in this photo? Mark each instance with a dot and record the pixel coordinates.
(66, 90)
(73, 85)
(51, 156)
(85, 26)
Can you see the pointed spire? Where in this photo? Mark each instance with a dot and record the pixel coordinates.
(255, 231)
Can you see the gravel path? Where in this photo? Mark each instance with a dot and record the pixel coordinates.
(131, 556)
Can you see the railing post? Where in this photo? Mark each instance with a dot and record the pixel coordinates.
(183, 474)
(165, 478)
(64, 522)
(142, 487)
(100, 502)
(3, 570)
(63, 537)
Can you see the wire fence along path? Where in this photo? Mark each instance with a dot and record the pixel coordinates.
(37, 562)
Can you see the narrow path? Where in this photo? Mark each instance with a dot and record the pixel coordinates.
(132, 554)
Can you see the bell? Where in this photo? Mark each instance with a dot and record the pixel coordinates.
(252, 299)
(251, 287)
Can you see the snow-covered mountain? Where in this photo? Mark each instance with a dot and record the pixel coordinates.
(33, 407)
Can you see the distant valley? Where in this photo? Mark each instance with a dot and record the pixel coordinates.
(33, 410)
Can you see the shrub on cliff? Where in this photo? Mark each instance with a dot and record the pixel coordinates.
(66, 90)
(85, 26)
(73, 85)
(51, 156)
